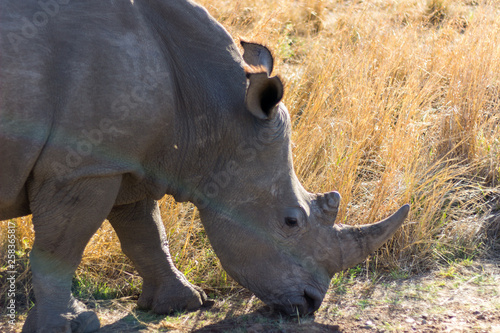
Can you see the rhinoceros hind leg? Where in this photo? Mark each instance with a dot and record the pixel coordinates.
(64, 218)
(142, 235)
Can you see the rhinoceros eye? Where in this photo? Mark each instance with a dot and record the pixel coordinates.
(291, 221)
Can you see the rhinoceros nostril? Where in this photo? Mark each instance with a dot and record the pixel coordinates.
(313, 299)
(311, 303)
(302, 305)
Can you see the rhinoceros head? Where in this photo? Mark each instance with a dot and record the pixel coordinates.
(270, 234)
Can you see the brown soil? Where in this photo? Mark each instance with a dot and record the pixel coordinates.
(459, 298)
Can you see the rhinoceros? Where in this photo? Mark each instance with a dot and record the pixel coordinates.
(107, 106)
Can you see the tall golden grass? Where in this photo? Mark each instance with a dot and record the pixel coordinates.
(391, 102)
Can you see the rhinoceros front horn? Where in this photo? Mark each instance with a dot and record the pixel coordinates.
(355, 243)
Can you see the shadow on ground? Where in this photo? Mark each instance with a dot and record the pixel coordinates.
(241, 314)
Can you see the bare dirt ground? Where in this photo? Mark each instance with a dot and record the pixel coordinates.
(462, 297)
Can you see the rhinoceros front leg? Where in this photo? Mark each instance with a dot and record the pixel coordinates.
(64, 219)
(142, 236)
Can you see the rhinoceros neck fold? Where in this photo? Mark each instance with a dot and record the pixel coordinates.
(206, 70)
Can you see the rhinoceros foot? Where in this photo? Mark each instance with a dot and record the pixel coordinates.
(77, 320)
(172, 295)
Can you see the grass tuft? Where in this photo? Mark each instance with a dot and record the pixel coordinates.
(437, 10)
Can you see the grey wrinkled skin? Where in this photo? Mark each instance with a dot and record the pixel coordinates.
(107, 106)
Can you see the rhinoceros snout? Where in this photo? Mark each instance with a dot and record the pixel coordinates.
(313, 299)
(302, 305)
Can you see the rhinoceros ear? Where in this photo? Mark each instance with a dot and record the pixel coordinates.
(263, 92)
(263, 95)
(256, 55)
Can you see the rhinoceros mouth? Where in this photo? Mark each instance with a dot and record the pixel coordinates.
(300, 305)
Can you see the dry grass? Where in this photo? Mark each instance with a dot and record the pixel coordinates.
(391, 102)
